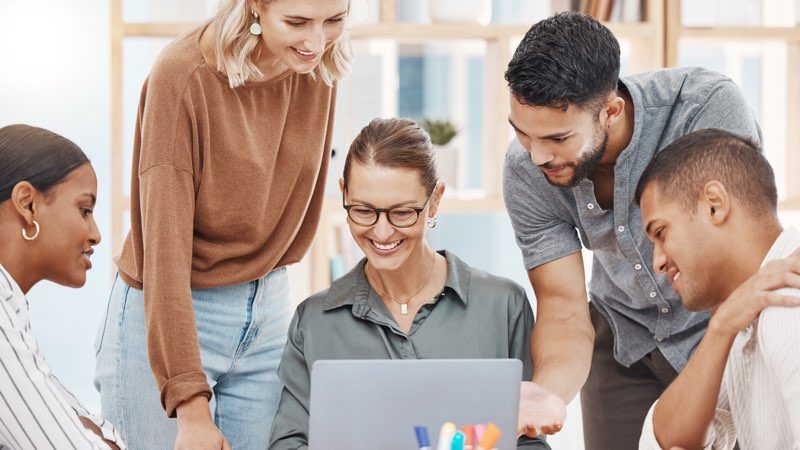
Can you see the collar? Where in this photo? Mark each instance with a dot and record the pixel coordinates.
(354, 289)
(788, 241)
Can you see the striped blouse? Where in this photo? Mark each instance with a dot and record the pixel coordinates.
(759, 399)
(36, 410)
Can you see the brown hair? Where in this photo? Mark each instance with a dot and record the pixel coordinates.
(399, 143)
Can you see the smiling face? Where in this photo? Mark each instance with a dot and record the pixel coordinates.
(297, 32)
(566, 145)
(388, 247)
(686, 248)
(68, 230)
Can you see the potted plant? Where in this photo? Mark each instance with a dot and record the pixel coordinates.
(442, 133)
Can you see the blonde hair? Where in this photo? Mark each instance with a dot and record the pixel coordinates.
(233, 45)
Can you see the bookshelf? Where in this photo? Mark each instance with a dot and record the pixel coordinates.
(782, 44)
(647, 51)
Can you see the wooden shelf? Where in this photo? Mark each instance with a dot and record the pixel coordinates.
(406, 31)
(742, 33)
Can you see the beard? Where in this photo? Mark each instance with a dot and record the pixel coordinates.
(585, 166)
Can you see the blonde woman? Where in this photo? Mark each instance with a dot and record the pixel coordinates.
(231, 149)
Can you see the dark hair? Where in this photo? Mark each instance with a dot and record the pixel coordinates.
(567, 59)
(682, 169)
(400, 143)
(35, 155)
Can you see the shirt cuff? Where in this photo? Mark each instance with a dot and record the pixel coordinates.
(181, 388)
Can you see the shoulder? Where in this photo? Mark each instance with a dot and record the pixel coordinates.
(176, 64)
(668, 86)
(487, 286)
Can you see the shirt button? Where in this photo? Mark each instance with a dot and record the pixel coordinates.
(664, 310)
(652, 295)
(621, 229)
(659, 339)
(637, 266)
(590, 206)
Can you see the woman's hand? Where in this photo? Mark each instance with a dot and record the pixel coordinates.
(196, 429)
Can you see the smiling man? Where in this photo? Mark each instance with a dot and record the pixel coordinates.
(709, 204)
(584, 137)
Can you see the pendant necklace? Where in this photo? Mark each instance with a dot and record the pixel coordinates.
(404, 305)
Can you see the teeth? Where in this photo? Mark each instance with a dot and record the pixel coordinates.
(386, 247)
(304, 53)
(677, 275)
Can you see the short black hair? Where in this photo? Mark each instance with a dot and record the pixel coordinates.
(38, 156)
(682, 169)
(567, 59)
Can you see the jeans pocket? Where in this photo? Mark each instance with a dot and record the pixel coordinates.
(101, 330)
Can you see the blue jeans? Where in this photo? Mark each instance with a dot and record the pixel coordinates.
(242, 331)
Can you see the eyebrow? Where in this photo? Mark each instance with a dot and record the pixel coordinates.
(558, 134)
(397, 205)
(309, 19)
(649, 225)
(92, 197)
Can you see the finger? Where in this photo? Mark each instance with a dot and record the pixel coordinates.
(531, 432)
(225, 445)
(779, 280)
(775, 299)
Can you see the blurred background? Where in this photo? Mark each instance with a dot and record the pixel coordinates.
(77, 68)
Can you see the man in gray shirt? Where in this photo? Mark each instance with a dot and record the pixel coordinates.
(584, 137)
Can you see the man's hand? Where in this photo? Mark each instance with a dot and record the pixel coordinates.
(744, 305)
(540, 412)
(196, 430)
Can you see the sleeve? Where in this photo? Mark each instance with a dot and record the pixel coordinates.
(520, 328)
(727, 109)
(721, 434)
(33, 413)
(290, 426)
(108, 430)
(166, 194)
(541, 235)
(779, 333)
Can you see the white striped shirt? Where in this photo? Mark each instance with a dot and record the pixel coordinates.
(36, 410)
(759, 400)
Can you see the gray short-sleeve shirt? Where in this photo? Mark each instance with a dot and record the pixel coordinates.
(552, 222)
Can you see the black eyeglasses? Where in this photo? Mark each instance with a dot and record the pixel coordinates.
(401, 217)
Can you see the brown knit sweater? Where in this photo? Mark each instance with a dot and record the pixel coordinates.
(227, 185)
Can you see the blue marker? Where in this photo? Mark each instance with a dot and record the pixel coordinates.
(458, 441)
(423, 441)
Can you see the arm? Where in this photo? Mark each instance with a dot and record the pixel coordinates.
(726, 108)
(562, 323)
(290, 426)
(33, 413)
(684, 413)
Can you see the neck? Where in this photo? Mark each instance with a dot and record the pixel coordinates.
(620, 134)
(753, 241)
(406, 280)
(16, 259)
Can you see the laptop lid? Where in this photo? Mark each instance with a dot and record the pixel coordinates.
(375, 404)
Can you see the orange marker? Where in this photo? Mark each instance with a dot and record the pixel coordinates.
(490, 437)
(469, 437)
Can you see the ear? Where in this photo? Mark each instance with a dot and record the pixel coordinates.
(341, 186)
(716, 202)
(613, 111)
(438, 192)
(23, 198)
(254, 5)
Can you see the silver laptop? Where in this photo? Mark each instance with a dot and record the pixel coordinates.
(375, 404)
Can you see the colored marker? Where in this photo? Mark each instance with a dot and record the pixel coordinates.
(458, 441)
(446, 436)
(423, 442)
(490, 437)
(479, 429)
(469, 437)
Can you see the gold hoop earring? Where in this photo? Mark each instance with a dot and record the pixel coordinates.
(255, 27)
(35, 235)
(432, 222)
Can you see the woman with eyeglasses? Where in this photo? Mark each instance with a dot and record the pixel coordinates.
(48, 191)
(403, 300)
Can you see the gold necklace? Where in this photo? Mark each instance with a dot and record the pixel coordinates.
(403, 305)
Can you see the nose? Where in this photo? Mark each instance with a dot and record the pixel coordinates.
(659, 260)
(94, 233)
(382, 229)
(540, 155)
(315, 42)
